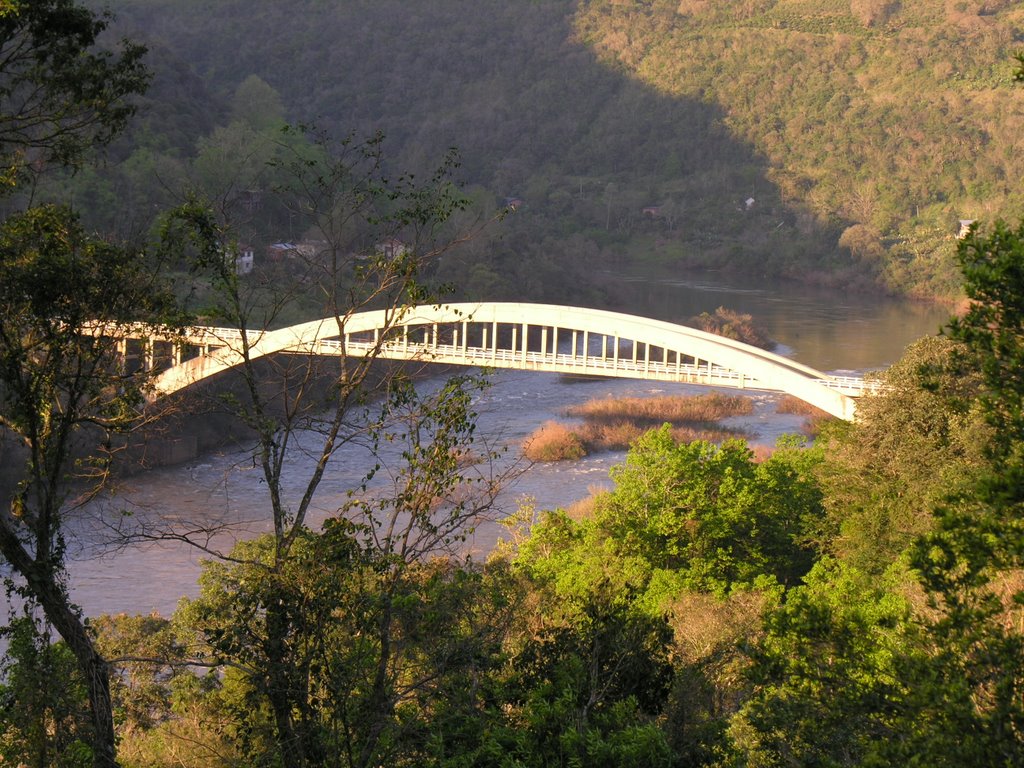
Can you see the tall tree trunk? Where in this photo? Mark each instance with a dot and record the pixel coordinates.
(42, 581)
(97, 677)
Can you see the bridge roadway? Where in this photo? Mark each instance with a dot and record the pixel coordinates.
(537, 337)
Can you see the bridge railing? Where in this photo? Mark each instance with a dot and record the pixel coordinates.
(853, 385)
(579, 363)
(506, 344)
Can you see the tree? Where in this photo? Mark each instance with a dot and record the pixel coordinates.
(694, 538)
(243, 168)
(916, 444)
(258, 105)
(58, 381)
(829, 673)
(42, 700)
(61, 94)
(872, 13)
(683, 517)
(885, 666)
(970, 563)
(369, 647)
(341, 638)
(417, 501)
(993, 331)
(587, 693)
(63, 398)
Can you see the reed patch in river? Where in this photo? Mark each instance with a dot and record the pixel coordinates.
(815, 417)
(611, 424)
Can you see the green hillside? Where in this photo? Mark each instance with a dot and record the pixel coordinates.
(891, 121)
(861, 132)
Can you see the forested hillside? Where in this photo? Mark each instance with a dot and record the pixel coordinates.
(860, 133)
(887, 121)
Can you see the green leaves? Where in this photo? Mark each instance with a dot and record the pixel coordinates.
(62, 95)
(829, 672)
(364, 651)
(691, 516)
(993, 327)
(43, 718)
(56, 282)
(917, 445)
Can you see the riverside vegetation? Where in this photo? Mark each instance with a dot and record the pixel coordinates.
(707, 610)
(855, 602)
(613, 424)
(852, 603)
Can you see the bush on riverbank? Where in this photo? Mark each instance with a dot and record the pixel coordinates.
(554, 442)
(732, 325)
(611, 424)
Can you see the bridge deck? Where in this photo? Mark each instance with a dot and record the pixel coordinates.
(525, 336)
(585, 365)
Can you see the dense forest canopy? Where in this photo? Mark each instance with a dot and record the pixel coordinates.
(833, 141)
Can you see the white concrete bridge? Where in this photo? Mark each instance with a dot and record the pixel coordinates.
(537, 337)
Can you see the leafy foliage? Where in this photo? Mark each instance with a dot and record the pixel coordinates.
(829, 673)
(882, 118)
(918, 444)
(64, 295)
(681, 517)
(923, 667)
(863, 131)
(61, 93)
(993, 328)
(43, 716)
(964, 560)
(583, 192)
(367, 646)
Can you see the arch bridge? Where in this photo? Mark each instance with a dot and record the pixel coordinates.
(537, 337)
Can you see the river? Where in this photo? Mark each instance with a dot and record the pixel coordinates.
(828, 330)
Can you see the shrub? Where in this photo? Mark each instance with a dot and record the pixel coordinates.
(553, 442)
(732, 325)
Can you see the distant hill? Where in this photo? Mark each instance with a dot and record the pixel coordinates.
(835, 141)
(888, 120)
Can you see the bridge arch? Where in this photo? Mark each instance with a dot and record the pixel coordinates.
(534, 337)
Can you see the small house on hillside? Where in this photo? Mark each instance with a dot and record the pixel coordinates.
(965, 228)
(514, 203)
(651, 212)
(242, 257)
